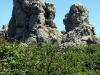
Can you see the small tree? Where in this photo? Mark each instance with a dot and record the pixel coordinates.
(63, 31)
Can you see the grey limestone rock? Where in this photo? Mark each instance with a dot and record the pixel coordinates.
(3, 31)
(50, 14)
(5, 27)
(47, 34)
(12, 27)
(78, 29)
(77, 15)
(1, 34)
(32, 21)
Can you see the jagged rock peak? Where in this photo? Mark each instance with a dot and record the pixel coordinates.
(77, 14)
(31, 20)
(78, 29)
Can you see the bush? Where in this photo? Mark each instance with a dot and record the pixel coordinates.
(46, 59)
(63, 31)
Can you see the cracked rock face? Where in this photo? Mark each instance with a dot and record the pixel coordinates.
(32, 20)
(78, 29)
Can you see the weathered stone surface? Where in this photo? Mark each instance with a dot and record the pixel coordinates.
(78, 29)
(50, 14)
(32, 21)
(5, 27)
(1, 34)
(12, 27)
(50, 10)
(77, 15)
(45, 34)
(49, 35)
(3, 31)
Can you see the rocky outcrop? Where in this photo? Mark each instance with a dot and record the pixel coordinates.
(32, 21)
(3, 31)
(1, 34)
(78, 29)
(5, 27)
(50, 14)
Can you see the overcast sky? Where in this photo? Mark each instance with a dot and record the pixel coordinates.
(62, 7)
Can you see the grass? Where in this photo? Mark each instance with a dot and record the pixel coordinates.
(46, 59)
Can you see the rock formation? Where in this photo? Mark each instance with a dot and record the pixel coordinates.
(2, 34)
(5, 27)
(3, 31)
(32, 21)
(78, 29)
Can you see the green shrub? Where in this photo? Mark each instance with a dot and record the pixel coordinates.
(46, 59)
(63, 31)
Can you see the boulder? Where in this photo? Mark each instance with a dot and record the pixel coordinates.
(78, 29)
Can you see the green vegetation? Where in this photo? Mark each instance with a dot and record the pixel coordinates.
(63, 31)
(47, 59)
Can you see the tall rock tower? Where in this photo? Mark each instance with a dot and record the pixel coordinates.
(32, 21)
(78, 29)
